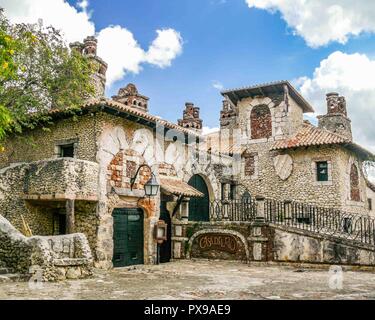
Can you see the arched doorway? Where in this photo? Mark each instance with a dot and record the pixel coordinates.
(199, 207)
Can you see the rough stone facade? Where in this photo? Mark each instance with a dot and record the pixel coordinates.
(114, 138)
(44, 258)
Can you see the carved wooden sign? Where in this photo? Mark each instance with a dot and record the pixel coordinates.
(216, 241)
(283, 166)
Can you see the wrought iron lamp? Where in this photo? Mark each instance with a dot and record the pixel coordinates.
(151, 187)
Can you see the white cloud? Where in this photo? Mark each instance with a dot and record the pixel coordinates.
(217, 85)
(116, 45)
(166, 47)
(208, 130)
(353, 76)
(75, 24)
(320, 22)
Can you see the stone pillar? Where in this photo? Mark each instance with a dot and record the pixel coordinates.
(70, 216)
(260, 217)
(184, 209)
(179, 222)
(258, 240)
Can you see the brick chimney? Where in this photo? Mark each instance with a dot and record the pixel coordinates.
(129, 96)
(336, 119)
(191, 119)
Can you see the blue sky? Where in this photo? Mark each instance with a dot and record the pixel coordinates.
(225, 42)
(320, 45)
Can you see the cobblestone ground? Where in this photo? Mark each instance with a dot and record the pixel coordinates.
(204, 280)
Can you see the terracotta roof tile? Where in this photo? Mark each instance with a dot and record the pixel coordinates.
(124, 108)
(178, 187)
(309, 135)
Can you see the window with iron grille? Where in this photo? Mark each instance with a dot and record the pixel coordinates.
(322, 170)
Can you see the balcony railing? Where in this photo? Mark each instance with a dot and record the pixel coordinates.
(328, 221)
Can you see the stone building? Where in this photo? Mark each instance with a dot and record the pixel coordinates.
(87, 173)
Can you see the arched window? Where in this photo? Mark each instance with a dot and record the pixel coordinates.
(261, 122)
(354, 184)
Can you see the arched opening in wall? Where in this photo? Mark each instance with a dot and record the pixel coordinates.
(354, 184)
(261, 122)
(199, 207)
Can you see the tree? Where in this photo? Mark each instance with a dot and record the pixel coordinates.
(38, 73)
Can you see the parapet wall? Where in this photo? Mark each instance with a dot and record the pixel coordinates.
(254, 241)
(44, 258)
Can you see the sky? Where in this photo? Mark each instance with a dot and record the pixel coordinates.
(189, 50)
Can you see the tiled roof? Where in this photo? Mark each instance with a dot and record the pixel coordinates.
(237, 94)
(309, 135)
(178, 187)
(117, 106)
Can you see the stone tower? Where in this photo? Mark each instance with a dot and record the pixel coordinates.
(336, 119)
(130, 97)
(89, 49)
(191, 119)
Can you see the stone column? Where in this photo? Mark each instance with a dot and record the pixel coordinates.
(260, 217)
(70, 216)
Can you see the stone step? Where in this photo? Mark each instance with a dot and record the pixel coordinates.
(13, 277)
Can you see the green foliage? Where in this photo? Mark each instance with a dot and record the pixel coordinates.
(38, 73)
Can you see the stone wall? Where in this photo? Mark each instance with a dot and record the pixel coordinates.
(41, 144)
(302, 246)
(44, 258)
(254, 241)
(35, 190)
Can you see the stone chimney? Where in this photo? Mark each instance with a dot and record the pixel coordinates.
(130, 97)
(190, 119)
(336, 119)
(89, 49)
(228, 115)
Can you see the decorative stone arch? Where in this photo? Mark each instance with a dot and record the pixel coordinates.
(144, 143)
(210, 181)
(261, 122)
(219, 231)
(258, 102)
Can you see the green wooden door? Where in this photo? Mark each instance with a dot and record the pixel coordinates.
(199, 207)
(127, 237)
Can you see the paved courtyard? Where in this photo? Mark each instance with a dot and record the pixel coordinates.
(204, 280)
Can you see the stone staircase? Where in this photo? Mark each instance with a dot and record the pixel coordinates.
(6, 275)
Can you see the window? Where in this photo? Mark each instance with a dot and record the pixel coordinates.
(67, 151)
(354, 184)
(261, 122)
(232, 191)
(369, 202)
(322, 170)
(249, 165)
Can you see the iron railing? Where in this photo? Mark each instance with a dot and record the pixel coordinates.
(233, 210)
(328, 221)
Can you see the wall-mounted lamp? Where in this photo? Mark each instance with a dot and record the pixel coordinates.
(151, 187)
